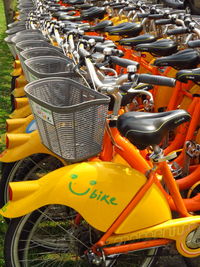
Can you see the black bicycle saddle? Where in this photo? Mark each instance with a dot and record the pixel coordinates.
(126, 28)
(144, 129)
(187, 58)
(186, 75)
(164, 47)
(101, 25)
(141, 39)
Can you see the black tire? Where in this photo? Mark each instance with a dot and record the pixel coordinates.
(25, 169)
(12, 101)
(37, 238)
(13, 82)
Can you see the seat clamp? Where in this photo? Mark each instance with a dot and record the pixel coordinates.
(160, 158)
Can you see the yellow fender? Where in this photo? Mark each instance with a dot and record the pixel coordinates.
(98, 191)
(17, 68)
(19, 92)
(175, 229)
(22, 145)
(21, 125)
(22, 109)
(21, 81)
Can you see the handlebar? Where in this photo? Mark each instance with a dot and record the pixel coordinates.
(123, 62)
(164, 21)
(153, 79)
(178, 31)
(96, 38)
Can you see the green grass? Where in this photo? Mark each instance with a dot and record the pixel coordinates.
(5, 69)
(6, 61)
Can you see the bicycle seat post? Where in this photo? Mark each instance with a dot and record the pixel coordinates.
(160, 161)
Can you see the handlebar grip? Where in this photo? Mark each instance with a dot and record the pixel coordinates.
(96, 38)
(164, 21)
(143, 15)
(118, 6)
(114, 4)
(155, 80)
(194, 43)
(156, 16)
(129, 8)
(178, 31)
(123, 62)
(83, 53)
(99, 48)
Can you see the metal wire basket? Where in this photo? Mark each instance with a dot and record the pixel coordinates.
(11, 45)
(46, 67)
(27, 44)
(16, 23)
(16, 29)
(19, 38)
(38, 52)
(70, 117)
(29, 31)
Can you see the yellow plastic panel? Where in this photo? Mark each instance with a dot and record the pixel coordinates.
(21, 81)
(23, 109)
(19, 92)
(98, 191)
(18, 125)
(22, 146)
(151, 210)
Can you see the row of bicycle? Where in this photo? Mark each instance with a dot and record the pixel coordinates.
(102, 92)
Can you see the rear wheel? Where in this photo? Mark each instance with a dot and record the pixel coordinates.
(49, 236)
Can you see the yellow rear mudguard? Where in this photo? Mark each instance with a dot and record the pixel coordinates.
(20, 81)
(21, 125)
(22, 145)
(22, 109)
(19, 92)
(99, 191)
(17, 68)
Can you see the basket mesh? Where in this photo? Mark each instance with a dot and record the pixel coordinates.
(38, 52)
(28, 32)
(16, 29)
(19, 38)
(10, 45)
(48, 67)
(16, 23)
(25, 45)
(70, 117)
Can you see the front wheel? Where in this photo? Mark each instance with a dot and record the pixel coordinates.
(51, 236)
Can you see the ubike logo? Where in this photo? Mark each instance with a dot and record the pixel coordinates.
(91, 192)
